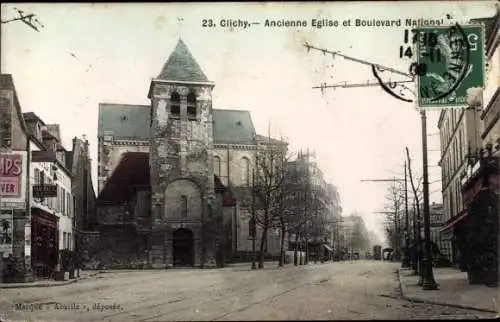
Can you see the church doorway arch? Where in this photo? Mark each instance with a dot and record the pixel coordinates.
(183, 248)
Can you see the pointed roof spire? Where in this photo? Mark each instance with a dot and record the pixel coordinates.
(182, 67)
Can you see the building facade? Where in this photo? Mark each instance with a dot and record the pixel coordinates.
(52, 204)
(470, 205)
(15, 261)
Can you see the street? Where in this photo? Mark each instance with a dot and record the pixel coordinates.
(340, 290)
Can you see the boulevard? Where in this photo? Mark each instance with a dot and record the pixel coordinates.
(341, 290)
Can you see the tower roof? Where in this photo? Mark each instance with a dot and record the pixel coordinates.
(181, 66)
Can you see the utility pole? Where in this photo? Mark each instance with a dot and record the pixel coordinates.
(253, 228)
(427, 277)
(406, 259)
(428, 282)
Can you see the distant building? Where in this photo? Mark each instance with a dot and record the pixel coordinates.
(80, 164)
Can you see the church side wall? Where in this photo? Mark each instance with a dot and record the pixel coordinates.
(110, 154)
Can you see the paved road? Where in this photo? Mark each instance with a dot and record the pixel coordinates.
(348, 290)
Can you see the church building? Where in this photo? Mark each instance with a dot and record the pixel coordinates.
(171, 175)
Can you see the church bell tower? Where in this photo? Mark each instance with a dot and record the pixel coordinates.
(181, 157)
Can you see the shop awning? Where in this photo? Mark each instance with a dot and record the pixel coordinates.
(328, 248)
(453, 221)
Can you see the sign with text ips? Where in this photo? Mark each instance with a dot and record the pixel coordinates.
(453, 58)
(12, 176)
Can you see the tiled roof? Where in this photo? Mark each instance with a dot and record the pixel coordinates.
(132, 121)
(30, 116)
(55, 130)
(7, 82)
(124, 120)
(181, 66)
(233, 126)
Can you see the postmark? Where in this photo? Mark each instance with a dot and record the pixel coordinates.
(445, 53)
(442, 62)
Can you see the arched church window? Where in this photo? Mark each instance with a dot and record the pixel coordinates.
(184, 205)
(175, 104)
(245, 171)
(217, 166)
(191, 105)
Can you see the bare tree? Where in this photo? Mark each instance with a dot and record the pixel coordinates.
(415, 188)
(291, 216)
(394, 208)
(269, 180)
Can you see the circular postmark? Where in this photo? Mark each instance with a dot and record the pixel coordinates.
(441, 65)
(446, 59)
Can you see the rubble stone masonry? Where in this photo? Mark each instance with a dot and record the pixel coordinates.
(181, 165)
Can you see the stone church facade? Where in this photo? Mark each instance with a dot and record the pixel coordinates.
(170, 173)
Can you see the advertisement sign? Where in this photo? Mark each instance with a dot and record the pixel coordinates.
(44, 191)
(6, 232)
(11, 171)
(43, 156)
(13, 167)
(453, 61)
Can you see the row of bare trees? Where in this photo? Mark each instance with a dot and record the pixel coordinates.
(282, 197)
(395, 207)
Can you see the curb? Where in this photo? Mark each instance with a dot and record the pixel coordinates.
(49, 284)
(418, 300)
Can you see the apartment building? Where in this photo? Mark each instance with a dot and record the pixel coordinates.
(470, 142)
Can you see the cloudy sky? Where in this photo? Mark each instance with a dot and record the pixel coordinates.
(88, 54)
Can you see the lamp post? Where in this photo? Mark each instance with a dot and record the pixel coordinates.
(428, 282)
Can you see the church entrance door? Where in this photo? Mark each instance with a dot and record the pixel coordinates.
(183, 248)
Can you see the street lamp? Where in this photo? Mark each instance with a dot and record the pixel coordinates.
(428, 282)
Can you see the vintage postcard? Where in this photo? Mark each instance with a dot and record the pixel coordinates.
(249, 161)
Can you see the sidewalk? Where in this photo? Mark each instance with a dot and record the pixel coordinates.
(49, 283)
(454, 290)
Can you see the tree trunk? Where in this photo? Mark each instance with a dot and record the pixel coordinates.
(261, 250)
(295, 259)
(282, 248)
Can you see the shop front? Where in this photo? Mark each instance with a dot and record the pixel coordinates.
(475, 228)
(45, 242)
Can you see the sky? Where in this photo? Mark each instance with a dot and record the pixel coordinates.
(88, 54)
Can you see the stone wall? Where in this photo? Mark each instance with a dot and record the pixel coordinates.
(181, 164)
(88, 243)
(243, 233)
(114, 214)
(233, 165)
(110, 154)
(114, 248)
